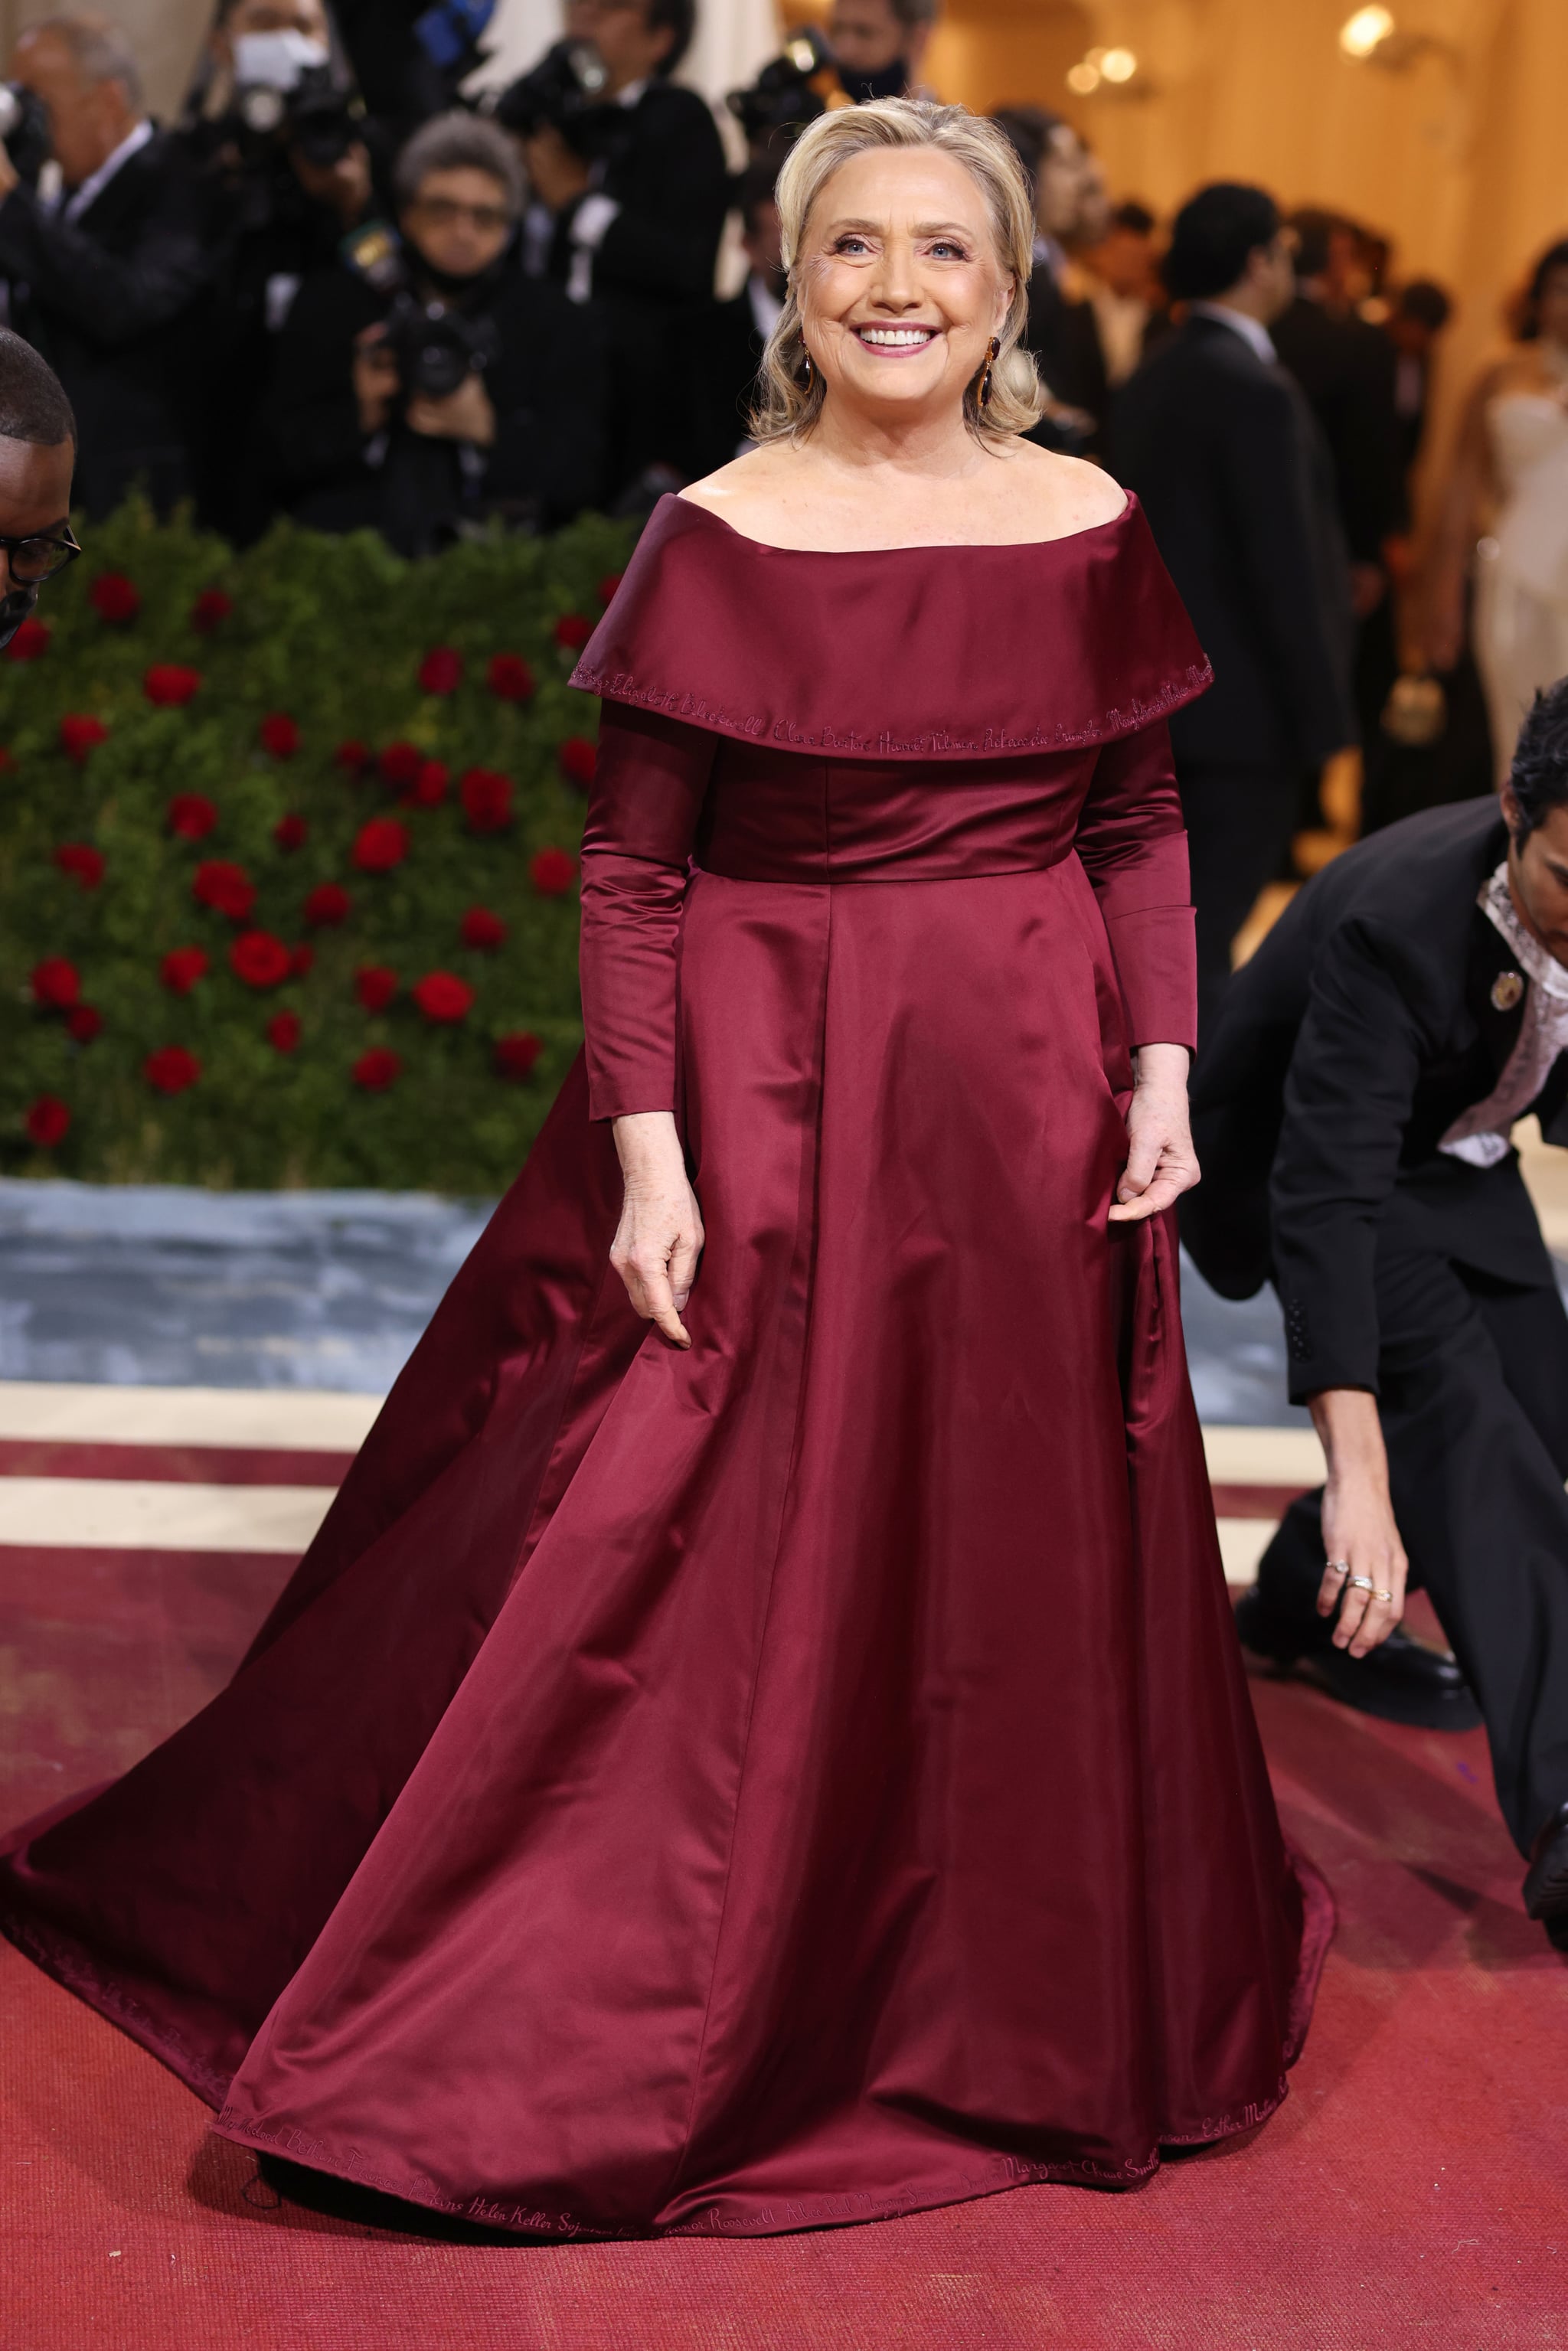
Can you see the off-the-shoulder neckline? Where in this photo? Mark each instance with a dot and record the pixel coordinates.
(924, 546)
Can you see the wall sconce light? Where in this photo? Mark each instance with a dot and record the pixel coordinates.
(1102, 69)
(1361, 35)
(1372, 37)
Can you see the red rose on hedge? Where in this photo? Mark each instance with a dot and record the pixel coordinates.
(210, 610)
(510, 678)
(192, 816)
(481, 928)
(377, 1069)
(114, 598)
(171, 684)
(327, 902)
(429, 786)
(442, 996)
(399, 763)
(182, 968)
(353, 757)
(292, 831)
(578, 757)
(279, 735)
(226, 889)
(375, 987)
(382, 844)
(171, 1069)
(552, 872)
(300, 961)
(260, 959)
(81, 733)
(487, 798)
(516, 1054)
(84, 1023)
(49, 1121)
(441, 671)
(82, 861)
(572, 632)
(283, 1032)
(30, 640)
(608, 585)
(57, 984)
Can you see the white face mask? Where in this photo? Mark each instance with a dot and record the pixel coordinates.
(276, 61)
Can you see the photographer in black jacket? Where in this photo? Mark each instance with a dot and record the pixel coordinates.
(630, 195)
(109, 282)
(281, 147)
(426, 384)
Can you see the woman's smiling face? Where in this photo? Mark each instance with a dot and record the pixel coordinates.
(900, 288)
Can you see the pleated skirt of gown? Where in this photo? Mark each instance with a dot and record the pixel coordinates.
(802, 1780)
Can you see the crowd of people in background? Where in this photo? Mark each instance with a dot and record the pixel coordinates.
(338, 289)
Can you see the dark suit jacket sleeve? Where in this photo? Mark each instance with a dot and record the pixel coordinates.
(312, 417)
(673, 193)
(1266, 487)
(550, 392)
(1371, 470)
(110, 297)
(1132, 844)
(1348, 1095)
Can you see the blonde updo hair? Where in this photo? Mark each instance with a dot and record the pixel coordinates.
(786, 409)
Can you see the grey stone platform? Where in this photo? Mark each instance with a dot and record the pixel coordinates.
(154, 1285)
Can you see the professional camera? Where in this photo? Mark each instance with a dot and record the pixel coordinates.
(437, 349)
(24, 130)
(565, 91)
(315, 115)
(790, 92)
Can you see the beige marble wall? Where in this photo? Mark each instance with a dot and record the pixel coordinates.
(1459, 157)
(167, 34)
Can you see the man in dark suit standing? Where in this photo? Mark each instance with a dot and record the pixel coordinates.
(631, 217)
(108, 281)
(1347, 370)
(1219, 445)
(727, 347)
(1352, 1109)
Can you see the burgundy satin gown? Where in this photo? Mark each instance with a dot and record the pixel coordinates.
(812, 1776)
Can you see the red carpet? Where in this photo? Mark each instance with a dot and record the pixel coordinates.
(1414, 2192)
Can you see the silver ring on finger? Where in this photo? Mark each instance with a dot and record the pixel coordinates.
(1338, 1567)
(1362, 1584)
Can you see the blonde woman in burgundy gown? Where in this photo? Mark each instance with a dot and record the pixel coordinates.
(1510, 485)
(759, 1740)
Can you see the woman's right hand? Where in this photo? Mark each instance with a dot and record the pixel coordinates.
(1445, 625)
(660, 1236)
(376, 382)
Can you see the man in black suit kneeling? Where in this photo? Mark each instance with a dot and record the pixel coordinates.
(1352, 1109)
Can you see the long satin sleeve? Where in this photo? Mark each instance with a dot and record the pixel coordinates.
(1133, 844)
(648, 791)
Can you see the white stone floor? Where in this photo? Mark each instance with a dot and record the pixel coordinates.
(177, 1327)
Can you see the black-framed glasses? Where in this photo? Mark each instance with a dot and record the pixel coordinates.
(34, 561)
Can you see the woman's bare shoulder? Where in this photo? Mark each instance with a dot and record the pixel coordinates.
(745, 480)
(1056, 495)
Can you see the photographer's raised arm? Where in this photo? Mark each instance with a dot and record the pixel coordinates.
(110, 297)
(127, 251)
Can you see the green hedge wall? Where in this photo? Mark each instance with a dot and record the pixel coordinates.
(391, 757)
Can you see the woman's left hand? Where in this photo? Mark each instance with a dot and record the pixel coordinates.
(1161, 1162)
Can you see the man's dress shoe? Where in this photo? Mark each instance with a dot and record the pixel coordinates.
(1399, 1681)
(1546, 1879)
